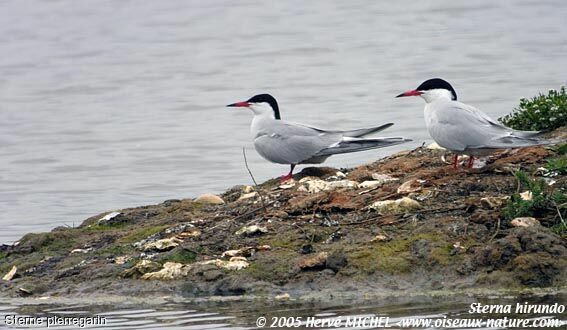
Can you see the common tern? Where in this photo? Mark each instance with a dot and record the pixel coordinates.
(284, 142)
(464, 129)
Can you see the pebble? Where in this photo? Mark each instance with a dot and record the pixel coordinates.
(318, 260)
(170, 271)
(10, 275)
(210, 199)
(401, 205)
(383, 178)
(409, 186)
(251, 230)
(525, 222)
(248, 196)
(163, 244)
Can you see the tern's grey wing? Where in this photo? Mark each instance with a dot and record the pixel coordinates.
(287, 143)
(458, 127)
(360, 132)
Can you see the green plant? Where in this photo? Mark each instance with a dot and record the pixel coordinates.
(541, 113)
(541, 201)
(557, 166)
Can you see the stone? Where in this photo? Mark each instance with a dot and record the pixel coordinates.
(401, 205)
(212, 275)
(409, 187)
(316, 261)
(369, 184)
(524, 222)
(379, 238)
(10, 275)
(141, 268)
(383, 178)
(170, 271)
(251, 230)
(242, 252)
(165, 244)
(235, 263)
(210, 199)
(313, 185)
(282, 296)
(336, 261)
(247, 196)
(111, 218)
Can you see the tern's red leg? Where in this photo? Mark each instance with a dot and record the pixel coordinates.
(455, 159)
(471, 161)
(289, 175)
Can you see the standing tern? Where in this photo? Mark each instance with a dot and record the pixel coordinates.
(284, 142)
(464, 129)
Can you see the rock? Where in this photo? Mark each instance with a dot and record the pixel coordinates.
(524, 222)
(191, 233)
(82, 250)
(288, 185)
(247, 196)
(165, 244)
(317, 261)
(306, 249)
(312, 185)
(493, 202)
(141, 268)
(235, 263)
(401, 205)
(340, 174)
(251, 230)
(383, 178)
(409, 187)
(24, 292)
(282, 296)
(242, 252)
(121, 260)
(10, 275)
(336, 261)
(111, 218)
(209, 199)
(170, 271)
(247, 189)
(379, 238)
(212, 275)
(527, 195)
(264, 247)
(369, 184)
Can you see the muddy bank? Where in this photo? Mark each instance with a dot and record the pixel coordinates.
(408, 223)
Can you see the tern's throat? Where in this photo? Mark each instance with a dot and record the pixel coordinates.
(261, 121)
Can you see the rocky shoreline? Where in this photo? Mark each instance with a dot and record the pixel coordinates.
(405, 224)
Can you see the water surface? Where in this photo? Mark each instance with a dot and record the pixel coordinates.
(110, 104)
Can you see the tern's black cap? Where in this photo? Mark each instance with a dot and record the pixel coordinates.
(437, 83)
(267, 98)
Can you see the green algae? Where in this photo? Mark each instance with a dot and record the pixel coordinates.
(141, 233)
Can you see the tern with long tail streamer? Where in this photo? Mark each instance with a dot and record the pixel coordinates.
(284, 142)
(464, 129)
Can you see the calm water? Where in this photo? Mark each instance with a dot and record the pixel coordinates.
(110, 104)
(244, 314)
